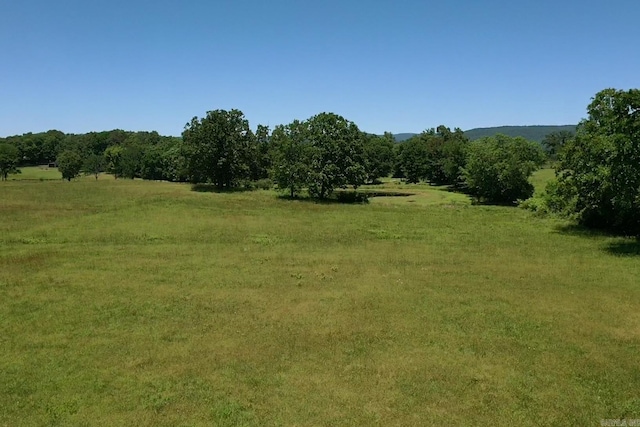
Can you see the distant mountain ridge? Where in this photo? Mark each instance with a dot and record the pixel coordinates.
(532, 133)
(403, 136)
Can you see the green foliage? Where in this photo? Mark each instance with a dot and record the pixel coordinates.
(336, 156)
(113, 159)
(555, 141)
(530, 133)
(174, 162)
(9, 157)
(548, 201)
(38, 148)
(401, 137)
(599, 170)
(152, 165)
(498, 168)
(398, 169)
(259, 156)
(379, 156)
(131, 161)
(414, 156)
(218, 148)
(437, 156)
(164, 162)
(291, 155)
(93, 165)
(447, 156)
(262, 184)
(69, 164)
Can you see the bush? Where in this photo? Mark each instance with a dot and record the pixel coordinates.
(534, 204)
(498, 168)
(263, 184)
(551, 201)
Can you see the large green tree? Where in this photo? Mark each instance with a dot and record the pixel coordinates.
(435, 155)
(337, 154)
(113, 160)
(379, 155)
(599, 169)
(290, 154)
(218, 147)
(448, 157)
(259, 158)
(131, 160)
(9, 157)
(93, 165)
(554, 141)
(498, 168)
(414, 158)
(69, 164)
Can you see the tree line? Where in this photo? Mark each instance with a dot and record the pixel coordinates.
(598, 168)
(318, 155)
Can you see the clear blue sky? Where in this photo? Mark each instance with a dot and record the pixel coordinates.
(400, 66)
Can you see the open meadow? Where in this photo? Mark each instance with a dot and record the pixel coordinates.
(129, 302)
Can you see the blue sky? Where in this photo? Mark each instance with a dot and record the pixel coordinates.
(81, 66)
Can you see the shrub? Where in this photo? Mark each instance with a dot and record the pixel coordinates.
(498, 168)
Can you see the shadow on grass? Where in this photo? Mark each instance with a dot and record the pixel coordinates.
(347, 197)
(384, 193)
(335, 199)
(210, 188)
(582, 231)
(306, 199)
(622, 246)
(479, 202)
(475, 200)
(627, 247)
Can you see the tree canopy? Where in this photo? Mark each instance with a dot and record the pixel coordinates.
(436, 155)
(337, 154)
(555, 141)
(69, 164)
(498, 168)
(9, 157)
(379, 156)
(290, 153)
(217, 148)
(599, 169)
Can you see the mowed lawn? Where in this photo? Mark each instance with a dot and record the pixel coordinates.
(145, 303)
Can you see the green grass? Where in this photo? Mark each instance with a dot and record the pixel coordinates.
(145, 303)
(44, 173)
(540, 178)
(37, 173)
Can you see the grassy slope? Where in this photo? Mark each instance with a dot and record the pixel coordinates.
(143, 303)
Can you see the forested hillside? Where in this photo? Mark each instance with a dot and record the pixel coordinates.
(532, 133)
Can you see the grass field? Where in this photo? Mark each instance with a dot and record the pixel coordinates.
(540, 179)
(36, 173)
(145, 303)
